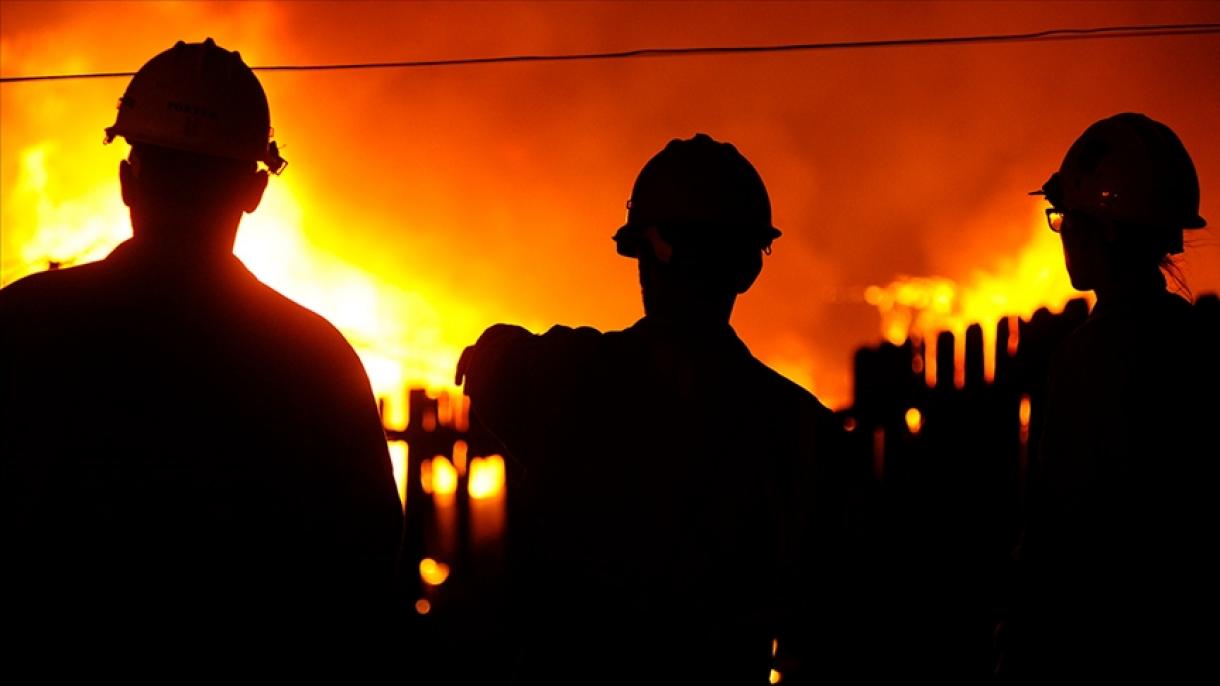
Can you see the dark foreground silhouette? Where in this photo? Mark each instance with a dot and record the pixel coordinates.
(686, 504)
(1117, 576)
(180, 444)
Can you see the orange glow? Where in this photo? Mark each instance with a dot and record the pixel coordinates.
(460, 453)
(67, 228)
(487, 503)
(1023, 415)
(396, 333)
(61, 204)
(775, 677)
(432, 572)
(774, 647)
(849, 424)
(914, 420)
(444, 476)
(922, 307)
(1014, 334)
(422, 606)
(929, 357)
(425, 476)
(461, 413)
(444, 410)
(401, 335)
(421, 206)
(486, 477)
(398, 460)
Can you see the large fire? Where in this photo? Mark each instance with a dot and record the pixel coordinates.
(424, 205)
(402, 336)
(398, 334)
(922, 307)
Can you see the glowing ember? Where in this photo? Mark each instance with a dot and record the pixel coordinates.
(460, 454)
(486, 477)
(432, 572)
(914, 420)
(444, 476)
(425, 476)
(1023, 414)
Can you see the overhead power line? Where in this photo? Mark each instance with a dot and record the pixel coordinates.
(1068, 34)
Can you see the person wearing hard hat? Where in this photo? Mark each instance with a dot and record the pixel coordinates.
(180, 443)
(1116, 575)
(668, 479)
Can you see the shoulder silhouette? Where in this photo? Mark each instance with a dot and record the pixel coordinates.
(671, 480)
(179, 442)
(1119, 520)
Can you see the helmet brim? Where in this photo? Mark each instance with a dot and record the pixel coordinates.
(628, 236)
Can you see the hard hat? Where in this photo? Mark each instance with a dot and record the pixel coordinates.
(200, 98)
(698, 189)
(1130, 169)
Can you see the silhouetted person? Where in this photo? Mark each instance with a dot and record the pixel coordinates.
(1117, 582)
(669, 475)
(181, 445)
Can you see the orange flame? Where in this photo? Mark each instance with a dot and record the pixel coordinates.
(399, 335)
(921, 307)
(486, 477)
(432, 572)
(444, 476)
(82, 229)
(1023, 415)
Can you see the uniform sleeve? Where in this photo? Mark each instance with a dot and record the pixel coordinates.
(364, 517)
(830, 630)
